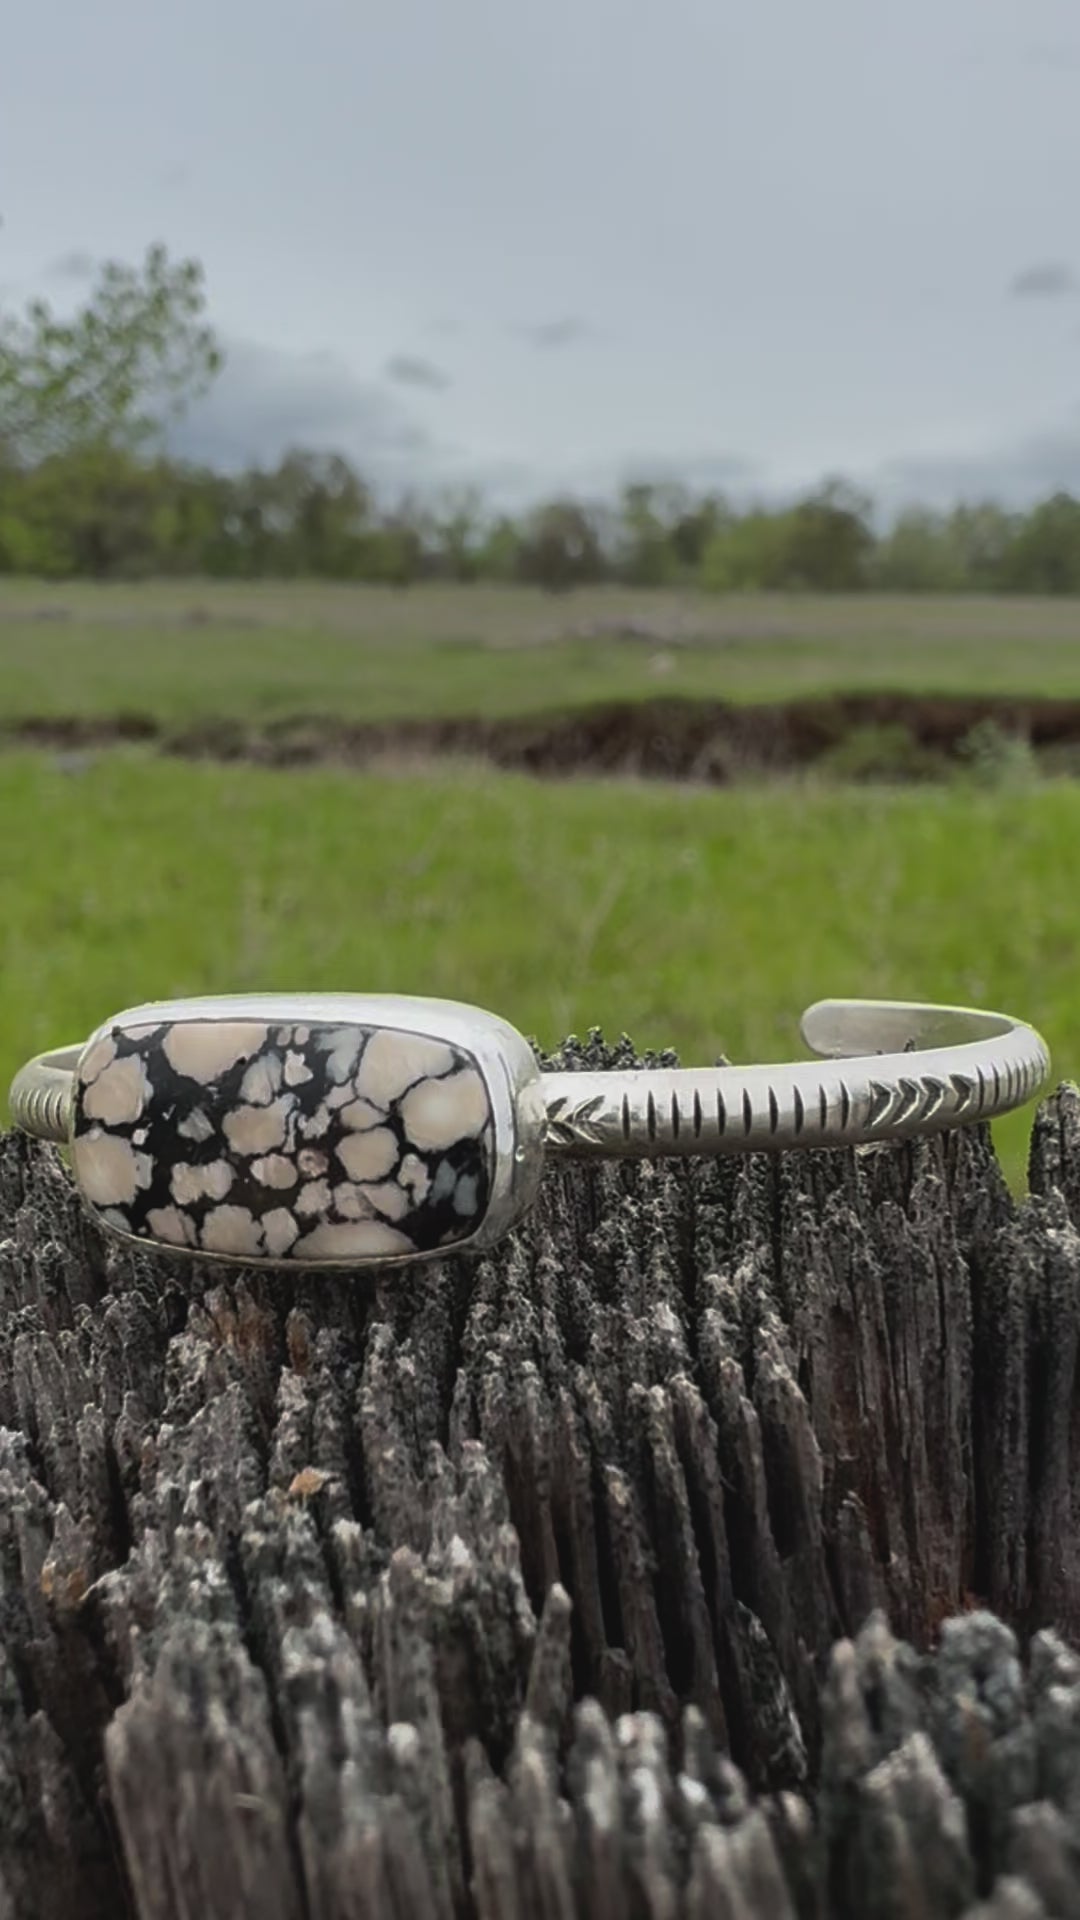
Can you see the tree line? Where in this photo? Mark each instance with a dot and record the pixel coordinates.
(87, 490)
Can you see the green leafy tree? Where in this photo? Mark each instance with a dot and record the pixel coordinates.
(823, 544)
(103, 513)
(319, 515)
(1043, 555)
(980, 537)
(560, 547)
(748, 553)
(396, 550)
(500, 550)
(114, 373)
(694, 524)
(829, 541)
(918, 555)
(647, 557)
(458, 535)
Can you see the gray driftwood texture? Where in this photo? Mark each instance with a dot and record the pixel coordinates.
(555, 1585)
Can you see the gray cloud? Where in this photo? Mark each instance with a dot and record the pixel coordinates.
(411, 370)
(549, 335)
(822, 316)
(265, 401)
(76, 265)
(1057, 56)
(703, 472)
(1015, 473)
(504, 485)
(1050, 280)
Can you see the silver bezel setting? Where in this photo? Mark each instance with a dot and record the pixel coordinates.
(503, 1057)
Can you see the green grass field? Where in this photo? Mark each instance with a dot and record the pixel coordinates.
(182, 651)
(706, 920)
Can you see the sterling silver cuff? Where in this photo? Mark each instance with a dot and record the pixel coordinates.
(353, 1130)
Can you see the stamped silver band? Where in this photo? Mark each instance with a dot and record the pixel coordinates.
(900, 1069)
(350, 1130)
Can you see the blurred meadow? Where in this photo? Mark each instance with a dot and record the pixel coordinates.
(700, 919)
(181, 650)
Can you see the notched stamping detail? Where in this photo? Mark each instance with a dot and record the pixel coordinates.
(271, 1142)
(570, 1126)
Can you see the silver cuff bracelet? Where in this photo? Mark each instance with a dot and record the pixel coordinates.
(354, 1130)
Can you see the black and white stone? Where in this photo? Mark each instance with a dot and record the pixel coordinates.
(283, 1142)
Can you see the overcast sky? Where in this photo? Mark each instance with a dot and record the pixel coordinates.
(745, 243)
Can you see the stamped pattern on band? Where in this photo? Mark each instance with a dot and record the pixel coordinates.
(876, 1109)
(303, 1143)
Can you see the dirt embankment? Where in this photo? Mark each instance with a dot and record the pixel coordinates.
(846, 736)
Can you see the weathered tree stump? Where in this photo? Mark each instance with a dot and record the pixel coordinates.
(555, 1584)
